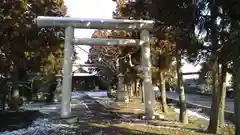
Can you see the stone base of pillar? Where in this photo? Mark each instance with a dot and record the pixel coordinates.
(69, 120)
(122, 96)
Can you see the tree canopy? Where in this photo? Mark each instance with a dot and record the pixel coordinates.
(24, 47)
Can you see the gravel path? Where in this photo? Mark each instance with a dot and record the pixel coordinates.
(91, 116)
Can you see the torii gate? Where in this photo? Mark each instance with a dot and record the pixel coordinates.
(114, 24)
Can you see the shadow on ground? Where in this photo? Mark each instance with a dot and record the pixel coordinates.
(10, 121)
(105, 115)
(86, 128)
(94, 118)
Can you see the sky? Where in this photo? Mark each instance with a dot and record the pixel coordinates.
(92, 9)
(88, 9)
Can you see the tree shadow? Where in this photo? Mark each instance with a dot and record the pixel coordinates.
(10, 121)
(102, 114)
(88, 128)
(164, 123)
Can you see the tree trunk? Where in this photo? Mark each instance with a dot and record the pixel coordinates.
(136, 88)
(128, 88)
(183, 116)
(236, 87)
(131, 87)
(14, 102)
(141, 91)
(222, 94)
(163, 93)
(236, 84)
(4, 92)
(122, 94)
(214, 121)
(51, 91)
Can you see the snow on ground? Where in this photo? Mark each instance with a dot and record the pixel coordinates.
(45, 108)
(45, 127)
(97, 94)
(194, 113)
(42, 127)
(198, 113)
(100, 97)
(105, 101)
(76, 94)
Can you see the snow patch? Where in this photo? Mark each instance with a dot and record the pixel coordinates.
(46, 108)
(193, 112)
(78, 94)
(177, 128)
(42, 107)
(42, 126)
(105, 101)
(97, 94)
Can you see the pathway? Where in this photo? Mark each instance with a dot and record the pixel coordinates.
(103, 116)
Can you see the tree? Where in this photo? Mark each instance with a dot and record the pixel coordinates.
(25, 47)
(162, 59)
(236, 78)
(220, 49)
(179, 30)
(234, 40)
(115, 60)
(107, 56)
(215, 47)
(205, 78)
(216, 54)
(232, 10)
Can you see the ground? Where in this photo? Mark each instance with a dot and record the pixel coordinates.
(202, 100)
(103, 116)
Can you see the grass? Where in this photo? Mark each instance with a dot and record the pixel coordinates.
(167, 126)
(89, 128)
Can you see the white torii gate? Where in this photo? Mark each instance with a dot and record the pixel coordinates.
(114, 24)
